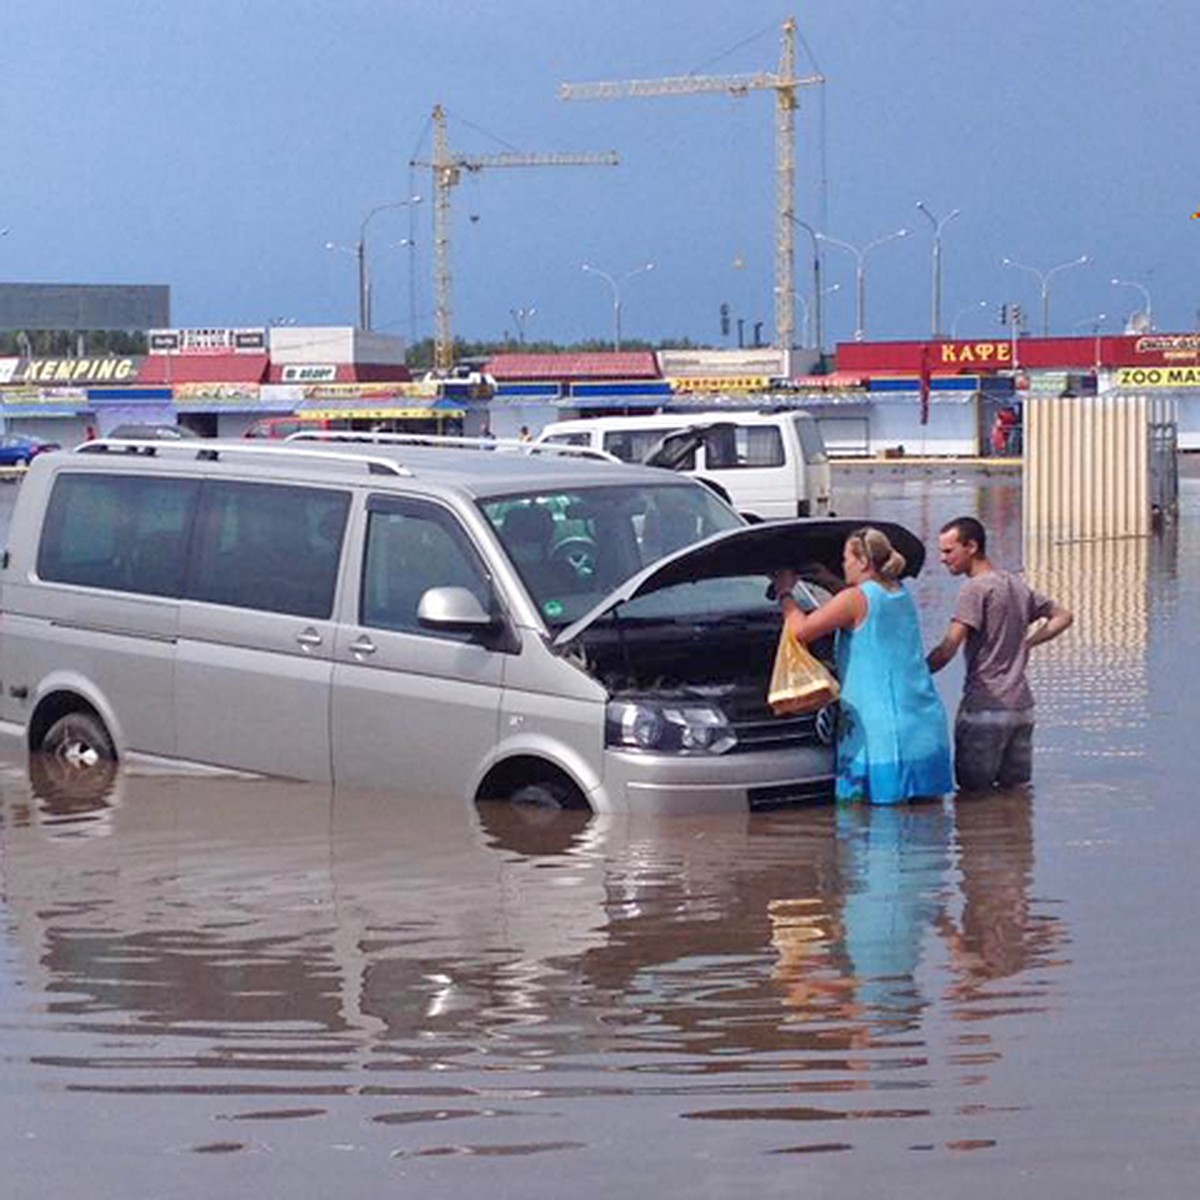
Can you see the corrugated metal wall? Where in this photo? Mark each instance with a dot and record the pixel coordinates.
(1088, 469)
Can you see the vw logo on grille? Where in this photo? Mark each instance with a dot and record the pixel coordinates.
(826, 724)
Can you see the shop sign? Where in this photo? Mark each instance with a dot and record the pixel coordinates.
(1170, 346)
(216, 393)
(976, 353)
(207, 341)
(79, 370)
(27, 397)
(312, 373)
(721, 383)
(353, 391)
(8, 369)
(1158, 377)
(378, 414)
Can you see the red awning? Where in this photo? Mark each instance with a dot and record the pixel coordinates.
(203, 368)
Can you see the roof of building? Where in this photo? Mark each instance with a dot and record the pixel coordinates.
(615, 364)
(203, 368)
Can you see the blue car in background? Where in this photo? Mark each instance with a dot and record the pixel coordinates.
(18, 450)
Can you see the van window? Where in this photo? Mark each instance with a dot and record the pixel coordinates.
(124, 533)
(268, 546)
(632, 445)
(567, 439)
(410, 548)
(730, 448)
(572, 548)
(812, 444)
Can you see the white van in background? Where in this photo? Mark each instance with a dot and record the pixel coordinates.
(771, 465)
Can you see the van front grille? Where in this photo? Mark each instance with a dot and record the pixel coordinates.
(808, 791)
(762, 731)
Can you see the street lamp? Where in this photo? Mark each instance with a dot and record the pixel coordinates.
(1097, 324)
(1141, 287)
(818, 305)
(615, 284)
(860, 273)
(935, 304)
(520, 316)
(1043, 278)
(962, 312)
(360, 254)
(804, 304)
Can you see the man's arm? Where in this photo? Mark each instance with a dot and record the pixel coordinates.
(947, 648)
(1059, 620)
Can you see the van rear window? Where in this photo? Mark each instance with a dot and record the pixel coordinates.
(123, 533)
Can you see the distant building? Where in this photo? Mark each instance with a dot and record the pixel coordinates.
(83, 307)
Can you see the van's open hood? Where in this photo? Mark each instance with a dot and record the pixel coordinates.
(751, 550)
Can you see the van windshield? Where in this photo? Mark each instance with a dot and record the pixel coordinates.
(571, 547)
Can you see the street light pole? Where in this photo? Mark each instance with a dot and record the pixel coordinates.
(962, 312)
(1043, 278)
(860, 273)
(935, 303)
(520, 316)
(360, 251)
(1141, 287)
(1097, 323)
(615, 284)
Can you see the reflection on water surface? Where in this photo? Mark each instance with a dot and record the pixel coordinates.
(219, 985)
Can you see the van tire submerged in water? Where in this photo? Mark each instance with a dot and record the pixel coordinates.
(547, 793)
(77, 739)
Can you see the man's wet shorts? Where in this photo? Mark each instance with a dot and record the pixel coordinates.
(993, 746)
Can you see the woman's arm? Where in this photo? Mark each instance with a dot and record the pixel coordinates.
(846, 610)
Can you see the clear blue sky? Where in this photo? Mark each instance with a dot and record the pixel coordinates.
(216, 146)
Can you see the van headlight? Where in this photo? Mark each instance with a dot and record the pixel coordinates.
(668, 727)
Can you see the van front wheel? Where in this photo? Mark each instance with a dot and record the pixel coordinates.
(78, 740)
(547, 793)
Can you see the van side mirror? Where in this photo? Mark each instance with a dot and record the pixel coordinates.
(455, 609)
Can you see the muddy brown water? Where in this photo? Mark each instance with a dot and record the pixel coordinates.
(215, 986)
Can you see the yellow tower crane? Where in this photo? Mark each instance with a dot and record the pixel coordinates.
(785, 84)
(447, 168)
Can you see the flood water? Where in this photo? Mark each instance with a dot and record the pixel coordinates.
(212, 986)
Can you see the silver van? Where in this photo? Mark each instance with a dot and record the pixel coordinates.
(482, 625)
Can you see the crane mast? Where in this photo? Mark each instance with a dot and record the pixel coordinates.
(447, 168)
(785, 84)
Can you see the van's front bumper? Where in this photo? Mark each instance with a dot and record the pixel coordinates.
(636, 781)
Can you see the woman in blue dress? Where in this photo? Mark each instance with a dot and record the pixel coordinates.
(892, 732)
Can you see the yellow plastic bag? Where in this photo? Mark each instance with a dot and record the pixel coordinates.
(799, 682)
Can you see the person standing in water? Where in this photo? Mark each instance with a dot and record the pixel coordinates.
(892, 740)
(993, 731)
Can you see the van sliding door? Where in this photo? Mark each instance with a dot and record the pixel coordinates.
(256, 628)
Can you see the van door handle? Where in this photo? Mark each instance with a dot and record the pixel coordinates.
(309, 638)
(362, 645)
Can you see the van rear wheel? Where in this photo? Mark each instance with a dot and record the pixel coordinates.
(78, 740)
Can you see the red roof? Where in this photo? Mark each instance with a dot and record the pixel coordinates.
(616, 364)
(203, 368)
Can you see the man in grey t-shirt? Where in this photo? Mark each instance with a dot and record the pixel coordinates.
(993, 731)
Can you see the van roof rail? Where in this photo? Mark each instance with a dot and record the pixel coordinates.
(450, 442)
(215, 449)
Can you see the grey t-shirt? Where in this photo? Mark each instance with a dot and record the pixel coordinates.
(997, 608)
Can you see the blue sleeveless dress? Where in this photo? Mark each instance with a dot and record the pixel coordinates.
(893, 743)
